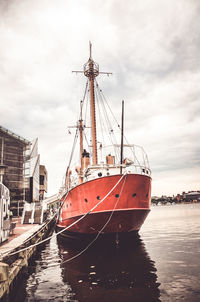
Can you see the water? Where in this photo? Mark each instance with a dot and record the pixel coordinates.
(162, 264)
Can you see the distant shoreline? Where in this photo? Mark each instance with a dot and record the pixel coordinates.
(163, 203)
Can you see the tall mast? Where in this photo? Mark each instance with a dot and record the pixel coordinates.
(91, 70)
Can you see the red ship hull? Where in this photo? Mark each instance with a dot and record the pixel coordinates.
(124, 210)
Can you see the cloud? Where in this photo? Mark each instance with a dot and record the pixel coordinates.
(151, 47)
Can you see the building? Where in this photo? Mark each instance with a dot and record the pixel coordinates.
(43, 182)
(12, 153)
(19, 168)
(32, 178)
(192, 196)
(4, 213)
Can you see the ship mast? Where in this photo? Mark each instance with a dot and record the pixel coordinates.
(91, 70)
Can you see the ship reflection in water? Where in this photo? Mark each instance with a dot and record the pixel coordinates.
(110, 272)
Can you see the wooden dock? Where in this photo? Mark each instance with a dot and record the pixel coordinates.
(11, 264)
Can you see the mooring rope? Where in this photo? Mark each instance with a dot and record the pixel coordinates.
(101, 230)
(72, 224)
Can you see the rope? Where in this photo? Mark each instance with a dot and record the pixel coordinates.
(101, 230)
(40, 229)
(100, 120)
(86, 139)
(82, 217)
(109, 108)
(109, 125)
(86, 89)
(110, 128)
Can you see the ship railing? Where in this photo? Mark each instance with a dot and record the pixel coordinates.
(102, 170)
(134, 153)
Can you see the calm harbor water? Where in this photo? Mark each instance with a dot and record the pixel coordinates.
(161, 264)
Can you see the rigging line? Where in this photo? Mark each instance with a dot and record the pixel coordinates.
(86, 88)
(101, 125)
(72, 152)
(101, 230)
(110, 109)
(105, 126)
(106, 114)
(85, 120)
(72, 224)
(134, 155)
(87, 141)
(101, 114)
(87, 114)
(104, 98)
(73, 147)
(85, 97)
(100, 119)
(26, 248)
(87, 102)
(110, 130)
(40, 229)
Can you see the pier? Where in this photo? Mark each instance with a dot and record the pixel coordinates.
(17, 251)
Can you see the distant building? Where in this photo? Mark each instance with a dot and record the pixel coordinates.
(19, 168)
(43, 182)
(192, 196)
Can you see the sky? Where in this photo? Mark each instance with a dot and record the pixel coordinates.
(152, 48)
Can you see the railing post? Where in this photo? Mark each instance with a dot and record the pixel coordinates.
(31, 220)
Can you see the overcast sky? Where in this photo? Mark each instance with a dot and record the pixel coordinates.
(153, 49)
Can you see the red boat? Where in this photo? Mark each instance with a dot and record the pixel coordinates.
(110, 192)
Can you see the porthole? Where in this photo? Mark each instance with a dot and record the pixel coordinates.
(86, 200)
(134, 194)
(99, 174)
(98, 197)
(116, 195)
(146, 195)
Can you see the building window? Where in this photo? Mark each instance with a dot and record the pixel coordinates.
(41, 180)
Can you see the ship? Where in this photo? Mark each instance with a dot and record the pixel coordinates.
(109, 192)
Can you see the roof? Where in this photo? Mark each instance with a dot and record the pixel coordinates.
(16, 136)
(193, 193)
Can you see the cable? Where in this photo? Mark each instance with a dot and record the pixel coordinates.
(40, 229)
(86, 248)
(109, 125)
(66, 228)
(86, 89)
